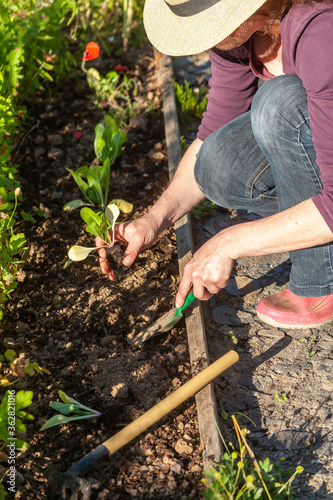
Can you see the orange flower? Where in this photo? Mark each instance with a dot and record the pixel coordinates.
(91, 52)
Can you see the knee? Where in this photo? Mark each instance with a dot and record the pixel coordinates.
(210, 172)
(279, 108)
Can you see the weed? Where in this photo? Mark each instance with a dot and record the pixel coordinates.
(235, 476)
(281, 398)
(204, 209)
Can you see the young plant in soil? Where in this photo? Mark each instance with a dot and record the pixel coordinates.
(94, 181)
(101, 225)
(69, 411)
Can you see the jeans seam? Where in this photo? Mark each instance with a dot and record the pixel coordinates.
(306, 153)
(254, 177)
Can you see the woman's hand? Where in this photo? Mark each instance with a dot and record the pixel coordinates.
(138, 235)
(207, 272)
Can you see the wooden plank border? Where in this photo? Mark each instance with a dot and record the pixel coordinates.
(199, 356)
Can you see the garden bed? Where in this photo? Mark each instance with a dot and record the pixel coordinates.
(76, 323)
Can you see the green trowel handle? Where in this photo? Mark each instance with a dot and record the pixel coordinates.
(189, 299)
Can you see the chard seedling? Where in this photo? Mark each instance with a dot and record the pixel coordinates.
(101, 225)
(69, 410)
(94, 181)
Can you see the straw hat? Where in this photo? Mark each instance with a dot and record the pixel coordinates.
(184, 27)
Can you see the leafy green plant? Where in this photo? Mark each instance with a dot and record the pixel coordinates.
(193, 101)
(19, 366)
(94, 181)
(237, 477)
(34, 50)
(69, 410)
(281, 398)
(12, 250)
(9, 426)
(100, 225)
(204, 209)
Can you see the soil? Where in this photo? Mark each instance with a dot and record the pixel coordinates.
(76, 323)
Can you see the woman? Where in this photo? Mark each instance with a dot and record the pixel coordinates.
(269, 150)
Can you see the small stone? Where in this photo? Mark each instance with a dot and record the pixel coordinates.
(107, 340)
(55, 139)
(55, 153)
(120, 391)
(39, 139)
(183, 447)
(181, 349)
(176, 468)
(271, 333)
(39, 152)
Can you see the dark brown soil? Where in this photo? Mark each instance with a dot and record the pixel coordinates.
(76, 323)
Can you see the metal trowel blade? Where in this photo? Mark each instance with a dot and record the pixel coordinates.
(163, 324)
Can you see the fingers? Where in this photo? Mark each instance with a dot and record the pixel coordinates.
(103, 261)
(200, 291)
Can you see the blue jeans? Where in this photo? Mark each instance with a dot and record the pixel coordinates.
(265, 161)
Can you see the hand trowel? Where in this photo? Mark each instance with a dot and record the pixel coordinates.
(164, 323)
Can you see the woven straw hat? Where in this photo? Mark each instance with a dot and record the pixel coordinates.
(185, 27)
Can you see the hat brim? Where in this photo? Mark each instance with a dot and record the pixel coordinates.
(181, 36)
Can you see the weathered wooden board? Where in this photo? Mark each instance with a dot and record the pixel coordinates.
(205, 399)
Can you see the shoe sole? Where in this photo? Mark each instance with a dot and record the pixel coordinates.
(272, 322)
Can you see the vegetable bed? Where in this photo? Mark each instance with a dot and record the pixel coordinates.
(76, 323)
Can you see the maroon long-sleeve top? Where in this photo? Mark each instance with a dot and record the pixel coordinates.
(307, 51)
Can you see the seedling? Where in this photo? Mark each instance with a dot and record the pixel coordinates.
(100, 225)
(191, 101)
(19, 366)
(94, 181)
(281, 398)
(69, 410)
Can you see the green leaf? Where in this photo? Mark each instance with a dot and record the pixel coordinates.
(94, 229)
(16, 241)
(10, 354)
(63, 419)
(72, 205)
(77, 253)
(27, 217)
(68, 263)
(99, 142)
(67, 399)
(93, 77)
(118, 141)
(89, 216)
(64, 408)
(123, 205)
(79, 181)
(23, 399)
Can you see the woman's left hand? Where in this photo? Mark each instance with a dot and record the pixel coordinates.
(207, 272)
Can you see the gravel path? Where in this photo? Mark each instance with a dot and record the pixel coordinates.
(283, 381)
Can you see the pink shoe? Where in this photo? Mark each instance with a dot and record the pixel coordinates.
(286, 310)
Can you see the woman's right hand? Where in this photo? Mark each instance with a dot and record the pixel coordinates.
(138, 235)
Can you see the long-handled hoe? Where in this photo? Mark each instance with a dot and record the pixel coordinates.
(69, 486)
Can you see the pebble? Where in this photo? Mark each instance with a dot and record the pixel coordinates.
(55, 153)
(183, 447)
(272, 333)
(120, 391)
(105, 341)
